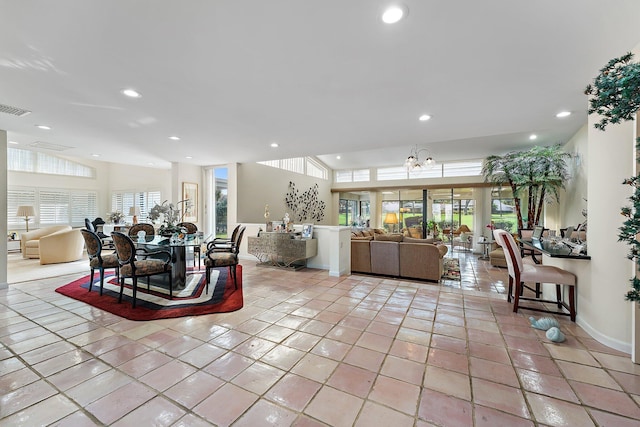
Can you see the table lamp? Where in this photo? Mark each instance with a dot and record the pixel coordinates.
(26, 211)
(134, 211)
(391, 218)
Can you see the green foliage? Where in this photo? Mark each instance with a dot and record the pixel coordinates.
(615, 92)
(536, 174)
(615, 96)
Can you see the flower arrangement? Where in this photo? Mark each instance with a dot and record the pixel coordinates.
(491, 226)
(115, 216)
(168, 215)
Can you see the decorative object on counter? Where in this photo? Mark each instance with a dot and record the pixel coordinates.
(286, 220)
(555, 334)
(544, 323)
(615, 97)
(305, 206)
(115, 217)
(307, 231)
(168, 215)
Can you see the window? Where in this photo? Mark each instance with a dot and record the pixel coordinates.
(355, 175)
(53, 206)
(450, 169)
(20, 160)
(301, 165)
(122, 201)
(503, 210)
(388, 174)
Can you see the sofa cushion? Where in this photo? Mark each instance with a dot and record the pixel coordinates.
(415, 240)
(362, 238)
(395, 237)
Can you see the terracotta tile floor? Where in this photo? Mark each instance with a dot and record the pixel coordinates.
(310, 350)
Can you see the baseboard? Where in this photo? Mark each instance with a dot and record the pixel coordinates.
(604, 339)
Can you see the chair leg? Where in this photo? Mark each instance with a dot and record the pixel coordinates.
(101, 280)
(207, 275)
(91, 280)
(121, 289)
(538, 291)
(516, 298)
(558, 296)
(572, 302)
(510, 289)
(170, 286)
(232, 269)
(135, 291)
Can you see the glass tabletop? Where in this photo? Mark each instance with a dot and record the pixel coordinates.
(554, 248)
(166, 241)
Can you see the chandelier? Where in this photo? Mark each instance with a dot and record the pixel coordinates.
(413, 161)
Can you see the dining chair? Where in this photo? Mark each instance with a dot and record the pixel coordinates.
(220, 244)
(229, 259)
(93, 245)
(519, 273)
(192, 229)
(104, 239)
(132, 267)
(148, 229)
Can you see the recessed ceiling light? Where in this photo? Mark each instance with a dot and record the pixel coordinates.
(95, 155)
(563, 114)
(424, 117)
(393, 14)
(150, 163)
(131, 93)
(12, 142)
(274, 145)
(43, 127)
(188, 157)
(175, 138)
(338, 157)
(533, 136)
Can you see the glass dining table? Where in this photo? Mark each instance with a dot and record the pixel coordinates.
(178, 250)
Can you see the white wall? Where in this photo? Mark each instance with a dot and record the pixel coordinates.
(602, 309)
(259, 185)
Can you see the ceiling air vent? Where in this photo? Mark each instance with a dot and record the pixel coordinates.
(13, 110)
(49, 146)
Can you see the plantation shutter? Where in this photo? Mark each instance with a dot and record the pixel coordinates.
(54, 208)
(84, 205)
(15, 198)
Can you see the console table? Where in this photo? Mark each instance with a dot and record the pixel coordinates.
(285, 250)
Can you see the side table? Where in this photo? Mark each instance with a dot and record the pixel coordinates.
(13, 245)
(486, 245)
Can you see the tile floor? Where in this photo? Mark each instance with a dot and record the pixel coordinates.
(310, 350)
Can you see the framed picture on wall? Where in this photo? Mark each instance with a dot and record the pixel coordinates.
(190, 204)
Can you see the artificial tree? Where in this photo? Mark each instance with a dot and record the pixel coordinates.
(615, 96)
(537, 174)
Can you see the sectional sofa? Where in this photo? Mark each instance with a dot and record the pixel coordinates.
(398, 256)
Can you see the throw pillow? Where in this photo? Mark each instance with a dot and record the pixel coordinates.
(389, 237)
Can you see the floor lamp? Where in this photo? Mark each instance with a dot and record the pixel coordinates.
(26, 212)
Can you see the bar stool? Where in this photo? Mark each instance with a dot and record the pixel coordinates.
(520, 273)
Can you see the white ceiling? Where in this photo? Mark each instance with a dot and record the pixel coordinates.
(320, 78)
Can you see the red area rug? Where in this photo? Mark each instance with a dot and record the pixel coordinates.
(155, 303)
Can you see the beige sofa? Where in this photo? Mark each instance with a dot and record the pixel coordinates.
(398, 256)
(54, 244)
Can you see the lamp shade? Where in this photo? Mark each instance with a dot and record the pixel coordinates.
(391, 218)
(134, 210)
(26, 211)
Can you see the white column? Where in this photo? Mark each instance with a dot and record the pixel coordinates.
(3, 211)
